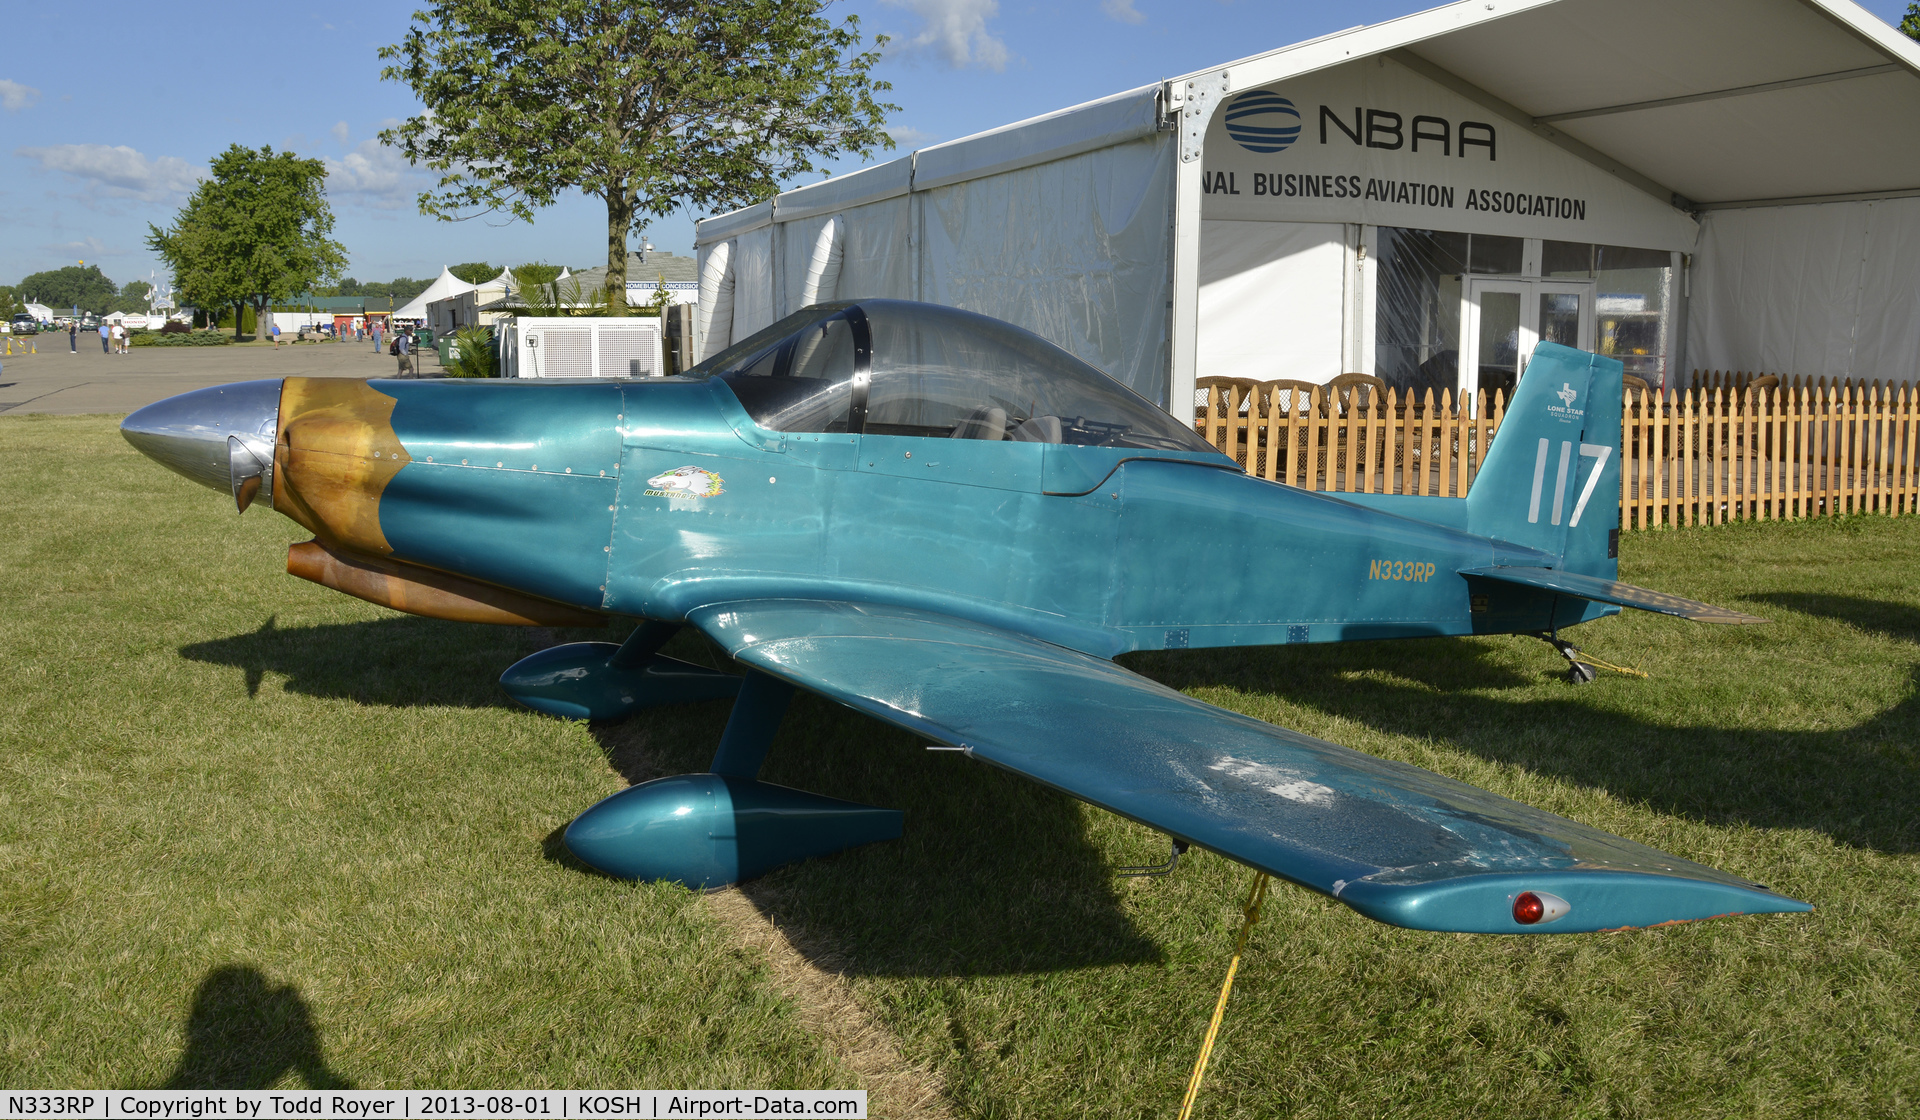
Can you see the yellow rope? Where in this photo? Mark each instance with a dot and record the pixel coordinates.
(1220, 1009)
(1592, 660)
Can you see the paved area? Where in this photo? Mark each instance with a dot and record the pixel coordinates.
(58, 380)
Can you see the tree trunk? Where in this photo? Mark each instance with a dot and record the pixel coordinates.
(239, 317)
(619, 218)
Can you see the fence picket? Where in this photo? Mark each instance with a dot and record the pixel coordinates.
(1727, 447)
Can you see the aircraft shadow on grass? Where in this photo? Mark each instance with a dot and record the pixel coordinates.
(988, 859)
(399, 662)
(993, 875)
(1856, 784)
(244, 1032)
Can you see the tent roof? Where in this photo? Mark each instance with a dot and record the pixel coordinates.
(1723, 102)
(444, 286)
(1706, 103)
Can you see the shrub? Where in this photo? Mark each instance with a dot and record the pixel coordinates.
(477, 357)
(188, 338)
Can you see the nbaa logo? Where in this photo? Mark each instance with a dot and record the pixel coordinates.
(1263, 121)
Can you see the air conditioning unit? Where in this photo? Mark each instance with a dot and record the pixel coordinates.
(581, 347)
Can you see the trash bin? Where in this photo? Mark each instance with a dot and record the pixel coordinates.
(449, 347)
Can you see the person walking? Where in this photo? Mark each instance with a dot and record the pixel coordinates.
(73, 336)
(376, 330)
(276, 335)
(106, 339)
(403, 343)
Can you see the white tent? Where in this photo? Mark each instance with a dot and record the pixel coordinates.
(445, 286)
(1752, 167)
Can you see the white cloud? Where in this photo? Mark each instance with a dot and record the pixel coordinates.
(86, 249)
(908, 137)
(121, 171)
(1122, 10)
(15, 97)
(956, 30)
(374, 174)
(340, 133)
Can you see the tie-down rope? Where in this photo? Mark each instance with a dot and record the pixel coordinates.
(1220, 1009)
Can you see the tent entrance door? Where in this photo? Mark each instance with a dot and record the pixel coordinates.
(1503, 318)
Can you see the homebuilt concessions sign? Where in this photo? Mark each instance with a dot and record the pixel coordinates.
(383, 1104)
(1373, 142)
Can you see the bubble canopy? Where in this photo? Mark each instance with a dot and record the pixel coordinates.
(899, 368)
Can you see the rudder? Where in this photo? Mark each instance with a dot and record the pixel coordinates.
(1551, 479)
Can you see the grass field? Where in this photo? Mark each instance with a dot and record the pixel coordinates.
(256, 833)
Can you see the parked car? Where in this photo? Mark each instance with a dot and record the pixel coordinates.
(24, 323)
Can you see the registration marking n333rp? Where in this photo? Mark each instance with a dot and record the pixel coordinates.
(1416, 571)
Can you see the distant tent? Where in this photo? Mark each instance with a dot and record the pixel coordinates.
(446, 286)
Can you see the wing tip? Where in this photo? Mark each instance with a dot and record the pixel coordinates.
(1598, 901)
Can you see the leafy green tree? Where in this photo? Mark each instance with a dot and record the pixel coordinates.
(73, 286)
(650, 105)
(254, 233)
(10, 302)
(1910, 26)
(133, 296)
(474, 272)
(537, 273)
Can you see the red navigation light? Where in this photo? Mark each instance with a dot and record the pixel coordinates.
(1532, 908)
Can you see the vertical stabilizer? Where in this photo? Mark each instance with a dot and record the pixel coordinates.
(1551, 480)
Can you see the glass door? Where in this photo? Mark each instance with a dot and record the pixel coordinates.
(1503, 319)
(1495, 334)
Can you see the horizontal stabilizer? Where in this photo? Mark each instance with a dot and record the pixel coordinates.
(1612, 591)
(1397, 843)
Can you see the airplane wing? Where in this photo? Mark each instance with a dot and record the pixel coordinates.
(1399, 844)
(1612, 591)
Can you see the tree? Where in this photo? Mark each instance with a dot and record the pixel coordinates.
(474, 272)
(537, 273)
(651, 105)
(1910, 26)
(254, 233)
(133, 296)
(73, 286)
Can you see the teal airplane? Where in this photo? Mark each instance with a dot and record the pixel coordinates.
(954, 526)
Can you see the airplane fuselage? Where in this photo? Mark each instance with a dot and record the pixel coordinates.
(653, 498)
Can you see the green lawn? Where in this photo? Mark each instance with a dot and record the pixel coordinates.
(253, 832)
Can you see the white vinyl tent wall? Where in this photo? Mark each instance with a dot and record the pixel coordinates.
(1827, 290)
(1061, 225)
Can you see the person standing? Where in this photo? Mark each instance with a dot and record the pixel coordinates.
(375, 329)
(73, 336)
(276, 334)
(403, 343)
(106, 339)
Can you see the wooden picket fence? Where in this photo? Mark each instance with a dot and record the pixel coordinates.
(1731, 447)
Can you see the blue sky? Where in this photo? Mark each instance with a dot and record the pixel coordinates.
(108, 119)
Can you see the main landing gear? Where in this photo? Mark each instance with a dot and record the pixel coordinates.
(700, 830)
